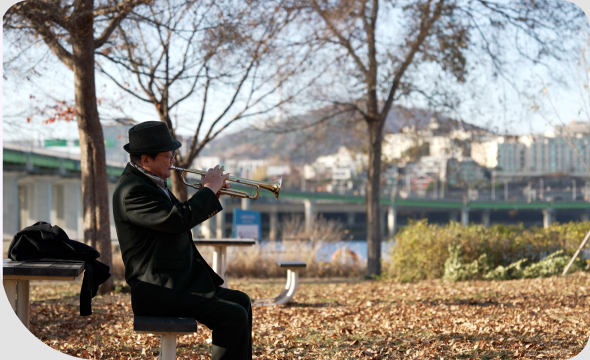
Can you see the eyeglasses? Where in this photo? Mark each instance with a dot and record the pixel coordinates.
(169, 156)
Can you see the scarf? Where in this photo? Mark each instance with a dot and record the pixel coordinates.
(155, 178)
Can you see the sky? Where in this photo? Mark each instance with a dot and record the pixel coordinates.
(512, 116)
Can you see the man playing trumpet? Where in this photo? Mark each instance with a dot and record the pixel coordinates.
(166, 273)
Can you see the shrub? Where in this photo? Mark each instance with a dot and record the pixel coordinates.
(430, 251)
(552, 265)
(457, 270)
(512, 271)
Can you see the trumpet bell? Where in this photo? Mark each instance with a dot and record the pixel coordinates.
(274, 187)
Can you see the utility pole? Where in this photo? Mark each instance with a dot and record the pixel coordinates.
(505, 189)
(392, 211)
(574, 189)
(493, 185)
(435, 188)
(541, 186)
(303, 179)
(529, 192)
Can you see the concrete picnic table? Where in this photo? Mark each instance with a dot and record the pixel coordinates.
(220, 252)
(18, 274)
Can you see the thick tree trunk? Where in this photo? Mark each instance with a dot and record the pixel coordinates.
(92, 157)
(178, 188)
(373, 194)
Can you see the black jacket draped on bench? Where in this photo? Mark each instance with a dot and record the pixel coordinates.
(44, 242)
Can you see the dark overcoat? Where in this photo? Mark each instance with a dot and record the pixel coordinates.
(164, 269)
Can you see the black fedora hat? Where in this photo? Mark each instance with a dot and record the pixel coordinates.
(150, 137)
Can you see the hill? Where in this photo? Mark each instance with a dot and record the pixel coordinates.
(305, 145)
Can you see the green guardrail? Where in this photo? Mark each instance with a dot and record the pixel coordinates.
(17, 157)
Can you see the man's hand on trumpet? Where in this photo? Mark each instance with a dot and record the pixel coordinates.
(215, 179)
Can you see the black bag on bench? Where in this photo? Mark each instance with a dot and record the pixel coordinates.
(44, 242)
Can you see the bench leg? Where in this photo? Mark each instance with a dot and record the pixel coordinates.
(293, 281)
(168, 347)
(287, 294)
(10, 288)
(22, 302)
(289, 281)
(220, 263)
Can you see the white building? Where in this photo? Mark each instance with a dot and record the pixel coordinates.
(206, 162)
(394, 145)
(245, 168)
(445, 147)
(344, 164)
(512, 153)
(428, 165)
(441, 144)
(564, 151)
(485, 151)
(278, 170)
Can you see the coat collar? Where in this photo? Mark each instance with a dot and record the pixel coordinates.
(155, 178)
(135, 170)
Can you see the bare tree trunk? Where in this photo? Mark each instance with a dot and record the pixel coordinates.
(373, 192)
(178, 188)
(92, 158)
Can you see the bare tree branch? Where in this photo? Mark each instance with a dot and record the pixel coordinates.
(124, 6)
(342, 40)
(426, 24)
(50, 39)
(107, 32)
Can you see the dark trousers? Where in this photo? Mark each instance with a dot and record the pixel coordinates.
(229, 316)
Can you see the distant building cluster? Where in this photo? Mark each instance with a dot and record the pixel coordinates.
(245, 168)
(417, 161)
(468, 158)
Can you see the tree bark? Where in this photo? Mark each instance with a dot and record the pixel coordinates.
(375, 129)
(92, 157)
(44, 17)
(178, 188)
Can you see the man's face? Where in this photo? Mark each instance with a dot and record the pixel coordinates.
(160, 165)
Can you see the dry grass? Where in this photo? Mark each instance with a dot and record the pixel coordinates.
(259, 261)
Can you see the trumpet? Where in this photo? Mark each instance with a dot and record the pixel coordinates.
(274, 187)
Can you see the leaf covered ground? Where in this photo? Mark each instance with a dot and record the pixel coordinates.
(349, 319)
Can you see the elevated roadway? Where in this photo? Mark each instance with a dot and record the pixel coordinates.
(40, 184)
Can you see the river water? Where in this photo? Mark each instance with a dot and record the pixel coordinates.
(359, 247)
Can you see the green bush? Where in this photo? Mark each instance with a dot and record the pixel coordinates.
(512, 271)
(420, 251)
(454, 252)
(552, 265)
(457, 270)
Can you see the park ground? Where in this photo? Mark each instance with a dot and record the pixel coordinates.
(545, 318)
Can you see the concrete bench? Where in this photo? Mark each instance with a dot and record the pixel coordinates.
(288, 292)
(167, 328)
(18, 274)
